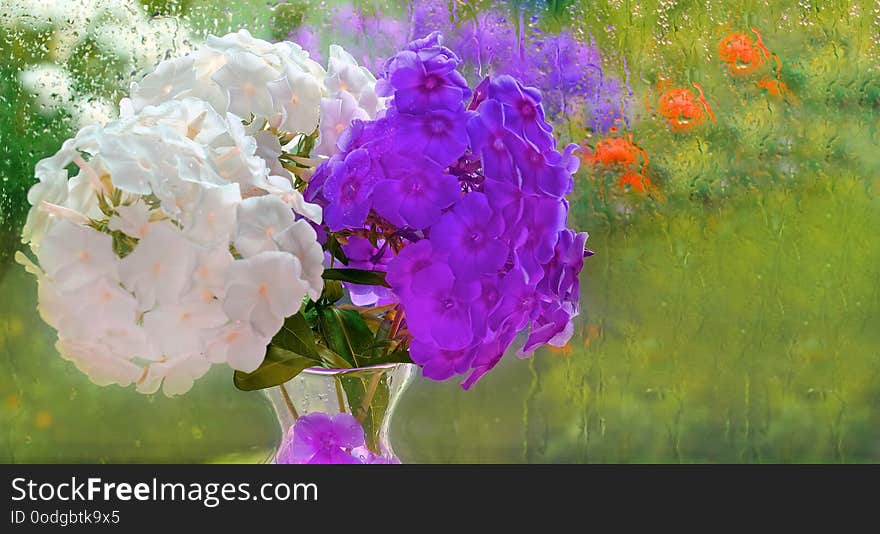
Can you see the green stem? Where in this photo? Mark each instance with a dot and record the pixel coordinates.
(339, 397)
(368, 398)
(288, 402)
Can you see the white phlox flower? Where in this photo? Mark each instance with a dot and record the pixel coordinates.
(152, 263)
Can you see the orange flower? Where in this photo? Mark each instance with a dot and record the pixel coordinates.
(682, 110)
(616, 151)
(623, 154)
(777, 88)
(636, 182)
(741, 54)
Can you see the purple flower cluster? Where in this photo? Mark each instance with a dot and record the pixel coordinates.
(471, 187)
(369, 37)
(567, 69)
(318, 438)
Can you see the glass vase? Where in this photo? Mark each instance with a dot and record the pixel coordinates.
(369, 394)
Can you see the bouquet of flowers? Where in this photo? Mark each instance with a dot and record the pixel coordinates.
(252, 208)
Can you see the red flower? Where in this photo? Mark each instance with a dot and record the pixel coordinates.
(682, 110)
(741, 54)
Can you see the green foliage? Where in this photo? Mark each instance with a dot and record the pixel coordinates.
(278, 367)
(357, 276)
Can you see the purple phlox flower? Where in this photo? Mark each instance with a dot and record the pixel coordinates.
(508, 199)
(363, 255)
(440, 135)
(430, 50)
(424, 79)
(535, 237)
(542, 172)
(404, 270)
(488, 354)
(414, 192)
(561, 272)
(314, 192)
(517, 304)
(377, 135)
(474, 198)
(552, 326)
(470, 235)
(523, 112)
(438, 363)
(317, 438)
(438, 308)
(490, 138)
(348, 190)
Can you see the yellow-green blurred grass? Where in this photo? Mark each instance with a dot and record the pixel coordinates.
(745, 332)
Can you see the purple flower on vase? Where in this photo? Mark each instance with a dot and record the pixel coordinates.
(517, 303)
(543, 218)
(470, 235)
(490, 138)
(440, 135)
(438, 309)
(415, 192)
(552, 326)
(347, 190)
(473, 201)
(522, 111)
(317, 438)
(408, 268)
(561, 272)
(438, 363)
(363, 255)
(488, 355)
(424, 78)
(542, 173)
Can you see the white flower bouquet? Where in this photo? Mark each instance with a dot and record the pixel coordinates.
(176, 237)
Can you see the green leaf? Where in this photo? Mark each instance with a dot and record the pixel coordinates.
(346, 333)
(330, 359)
(332, 291)
(278, 367)
(335, 249)
(357, 276)
(368, 402)
(296, 336)
(399, 355)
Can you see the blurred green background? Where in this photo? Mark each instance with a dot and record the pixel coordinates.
(733, 316)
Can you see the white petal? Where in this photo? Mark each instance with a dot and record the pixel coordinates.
(160, 267)
(264, 290)
(259, 220)
(302, 241)
(74, 255)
